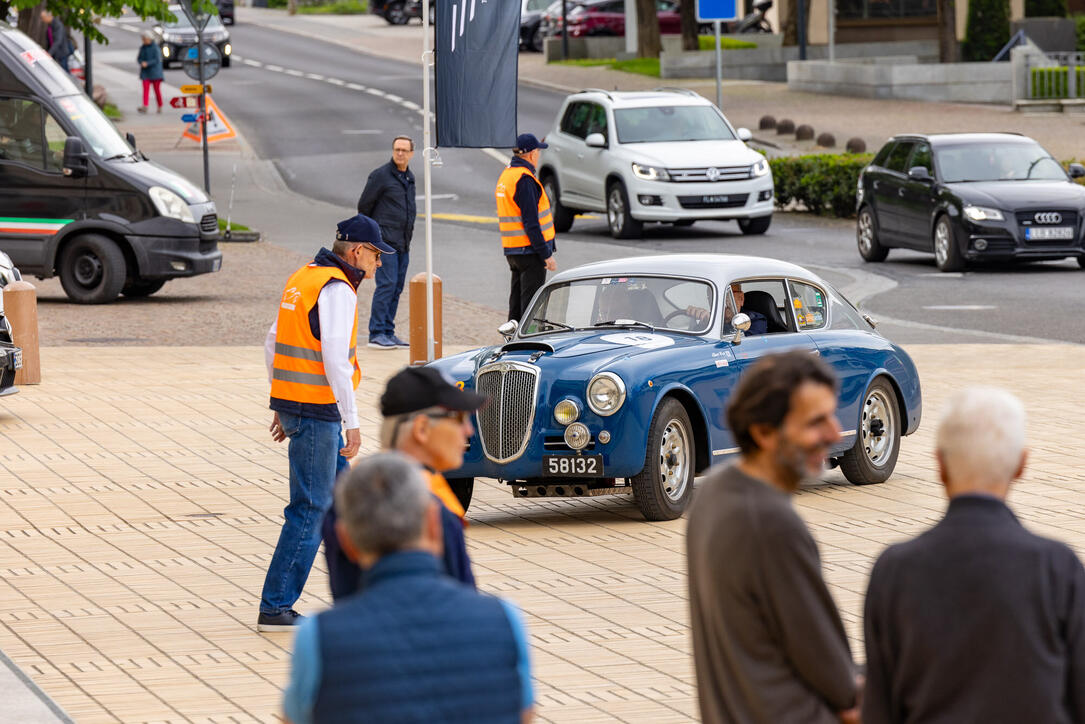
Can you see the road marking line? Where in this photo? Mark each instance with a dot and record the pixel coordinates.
(393, 98)
(435, 197)
(355, 86)
(496, 155)
(336, 81)
(314, 76)
(961, 307)
(274, 68)
(410, 104)
(295, 73)
(943, 275)
(361, 131)
(253, 63)
(471, 219)
(375, 92)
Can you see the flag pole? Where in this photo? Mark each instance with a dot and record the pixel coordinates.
(427, 152)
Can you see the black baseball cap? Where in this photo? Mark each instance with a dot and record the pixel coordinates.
(527, 142)
(419, 388)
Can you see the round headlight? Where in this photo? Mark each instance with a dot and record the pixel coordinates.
(577, 436)
(566, 412)
(606, 393)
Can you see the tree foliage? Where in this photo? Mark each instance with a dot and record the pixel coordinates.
(988, 29)
(82, 16)
(1045, 8)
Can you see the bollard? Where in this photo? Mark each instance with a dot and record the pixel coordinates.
(418, 319)
(21, 309)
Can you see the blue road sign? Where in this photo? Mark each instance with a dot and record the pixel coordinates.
(190, 117)
(709, 10)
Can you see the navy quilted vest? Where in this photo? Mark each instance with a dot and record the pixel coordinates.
(417, 646)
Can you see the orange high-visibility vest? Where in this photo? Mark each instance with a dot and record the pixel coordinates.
(440, 487)
(513, 235)
(298, 368)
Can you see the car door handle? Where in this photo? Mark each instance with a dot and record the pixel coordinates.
(900, 192)
(875, 184)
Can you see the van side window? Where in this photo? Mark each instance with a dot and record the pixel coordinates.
(55, 138)
(21, 132)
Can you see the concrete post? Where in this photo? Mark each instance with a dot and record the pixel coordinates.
(21, 309)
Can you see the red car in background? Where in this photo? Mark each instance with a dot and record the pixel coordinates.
(607, 17)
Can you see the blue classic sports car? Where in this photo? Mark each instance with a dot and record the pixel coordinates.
(617, 378)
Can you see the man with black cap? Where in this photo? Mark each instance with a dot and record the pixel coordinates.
(313, 369)
(527, 224)
(426, 418)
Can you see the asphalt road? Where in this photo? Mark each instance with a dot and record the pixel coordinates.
(326, 117)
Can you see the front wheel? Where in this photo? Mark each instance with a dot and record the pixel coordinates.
(621, 221)
(142, 287)
(225, 61)
(563, 215)
(1081, 262)
(92, 269)
(463, 489)
(538, 40)
(760, 225)
(663, 488)
(866, 234)
(396, 13)
(877, 441)
(947, 255)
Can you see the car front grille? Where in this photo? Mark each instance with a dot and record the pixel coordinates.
(733, 201)
(209, 224)
(1027, 220)
(504, 424)
(702, 175)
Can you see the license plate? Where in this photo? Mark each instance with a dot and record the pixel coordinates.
(216, 265)
(715, 199)
(18, 359)
(1041, 233)
(573, 466)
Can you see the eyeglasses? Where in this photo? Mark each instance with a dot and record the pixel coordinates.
(402, 150)
(460, 416)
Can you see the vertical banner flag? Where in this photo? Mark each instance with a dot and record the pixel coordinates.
(478, 44)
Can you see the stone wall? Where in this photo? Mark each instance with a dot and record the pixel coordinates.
(903, 78)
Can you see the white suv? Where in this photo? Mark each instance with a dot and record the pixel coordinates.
(664, 155)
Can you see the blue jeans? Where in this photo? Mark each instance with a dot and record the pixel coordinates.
(314, 463)
(390, 278)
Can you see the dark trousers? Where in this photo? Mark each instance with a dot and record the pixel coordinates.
(389, 280)
(528, 274)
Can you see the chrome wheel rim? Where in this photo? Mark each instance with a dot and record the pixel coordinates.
(616, 209)
(941, 243)
(866, 232)
(674, 460)
(878, 428)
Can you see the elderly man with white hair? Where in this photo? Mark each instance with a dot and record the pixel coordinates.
(977, 619)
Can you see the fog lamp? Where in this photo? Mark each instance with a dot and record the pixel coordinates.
(980, 244)
(577, 436)
(179, 265)
(566, 412)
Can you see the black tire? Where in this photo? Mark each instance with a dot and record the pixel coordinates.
(563, 216)
(866, 236)
(663, 488)
(538, 40)
(225, 61)
(619, 219)
(1081, 262)
(463, 488)
(685, 222)
(947, 254)
(759, 225)
(142, 287)
(396, 13)
(92, 269)
(877, 439)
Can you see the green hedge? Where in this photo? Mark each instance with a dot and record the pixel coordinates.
(1045, 8)
(824, 183)
(1080, 20)
(708, 42)
(1051, 82)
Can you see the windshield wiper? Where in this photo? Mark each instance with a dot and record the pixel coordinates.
(624, 323)
(115, 156)
(560, 325)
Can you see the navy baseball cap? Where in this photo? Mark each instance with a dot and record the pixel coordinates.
(526, 142)
(419, 388)
(362, 229)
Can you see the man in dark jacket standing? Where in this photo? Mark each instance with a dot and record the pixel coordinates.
(389, 199)
(977, 619)
(768, 643)
(56, 39)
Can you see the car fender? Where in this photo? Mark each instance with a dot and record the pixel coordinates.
(909, 401)
(116, 231)
(698, 418)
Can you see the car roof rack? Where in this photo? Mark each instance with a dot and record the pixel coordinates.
(596, 90)
(678, 89)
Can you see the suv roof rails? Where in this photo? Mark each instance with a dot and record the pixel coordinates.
(677, 89)
(596, 90)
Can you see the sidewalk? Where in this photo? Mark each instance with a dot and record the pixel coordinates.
(744, 102)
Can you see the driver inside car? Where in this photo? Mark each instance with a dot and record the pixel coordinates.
(758, 323)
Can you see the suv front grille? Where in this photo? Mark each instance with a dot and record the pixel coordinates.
(1027, 220)
(701, 175)
(504, 425)
(209, 224)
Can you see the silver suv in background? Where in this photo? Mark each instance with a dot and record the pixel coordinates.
(665, 155)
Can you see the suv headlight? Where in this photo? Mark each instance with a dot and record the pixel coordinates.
(171, 205)
(651, 173)
(759, 169)
(606, 393)
(982, 213)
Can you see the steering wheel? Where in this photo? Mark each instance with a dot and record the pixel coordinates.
(678, 312)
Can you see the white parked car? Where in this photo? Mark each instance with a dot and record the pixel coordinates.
(664, 155)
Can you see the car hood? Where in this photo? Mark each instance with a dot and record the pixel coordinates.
(1013, 195)
(154, 174)
(693, 154)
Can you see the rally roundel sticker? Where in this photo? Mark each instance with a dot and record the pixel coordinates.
(634, 339)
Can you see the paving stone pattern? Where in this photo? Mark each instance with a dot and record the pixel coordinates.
(141, 497)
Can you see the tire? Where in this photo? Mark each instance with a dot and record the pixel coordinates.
(873, 457)
(225, 61)
(396, 13)
(563, 216)
(685, 222)
(1081, 262)
(621, 222)
(463, 488)
(135, 289)
(92, 269)
(866, 236)
(947, 255)
(537, 39)
(759, 225)
(663, 488)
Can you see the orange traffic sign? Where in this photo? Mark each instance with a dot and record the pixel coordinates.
(187, 89)
(219, 127)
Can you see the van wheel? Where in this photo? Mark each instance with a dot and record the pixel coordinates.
(463, 488)
(142, 287)
(92, 269)
(621, 221)
(755, 226)
(663, 488)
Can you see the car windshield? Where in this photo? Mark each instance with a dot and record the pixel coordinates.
(97, 131)
(684, 305)
(997, 162)
(181, 23)
(671, 123)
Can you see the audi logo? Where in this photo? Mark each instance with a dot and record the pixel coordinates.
(1047, 217)
(713, 174)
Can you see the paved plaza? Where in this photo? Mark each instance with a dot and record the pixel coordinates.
(142, 497)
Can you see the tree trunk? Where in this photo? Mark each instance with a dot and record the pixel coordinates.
(31, 24)
(688, 9)
(949, 50)
(648, 43)
(292, 7)
(790, 13)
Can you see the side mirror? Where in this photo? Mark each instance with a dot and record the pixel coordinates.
(508, 329)
(1077, 170)
(131, 138)
(919, 173)
(76, 159)
(744, 134)
(596, 140)
(741, 323)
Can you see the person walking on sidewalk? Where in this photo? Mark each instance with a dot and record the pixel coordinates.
(389, 198)
(150, 70)
(57, 42)
(313, 368)
(527, 225)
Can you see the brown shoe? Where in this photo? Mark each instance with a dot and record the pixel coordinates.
(159, 109)
(142, 109)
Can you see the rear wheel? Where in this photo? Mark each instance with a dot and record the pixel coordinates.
(759, 225)
(685, 222)
(866, 234)
(563, 216)
(463, 488)
(396, 13)
(947, 255)
(538, 39)
(663, 488)
(142, 287)
(621, 221)
(877, 441)
(1081, 262)
(92, 269)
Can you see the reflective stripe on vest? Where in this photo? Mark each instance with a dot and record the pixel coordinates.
(508, 212)
(297, 372)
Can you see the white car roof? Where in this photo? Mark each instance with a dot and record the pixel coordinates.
(719, 268)
(641, 99)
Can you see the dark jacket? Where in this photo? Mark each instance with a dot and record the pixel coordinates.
(56, 35)
(527, 195)
(388, 199)
(976, 620)
(150, 54)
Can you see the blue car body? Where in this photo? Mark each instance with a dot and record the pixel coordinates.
(699, 370)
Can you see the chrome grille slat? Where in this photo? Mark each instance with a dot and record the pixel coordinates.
(504, 425)
(700, 175)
